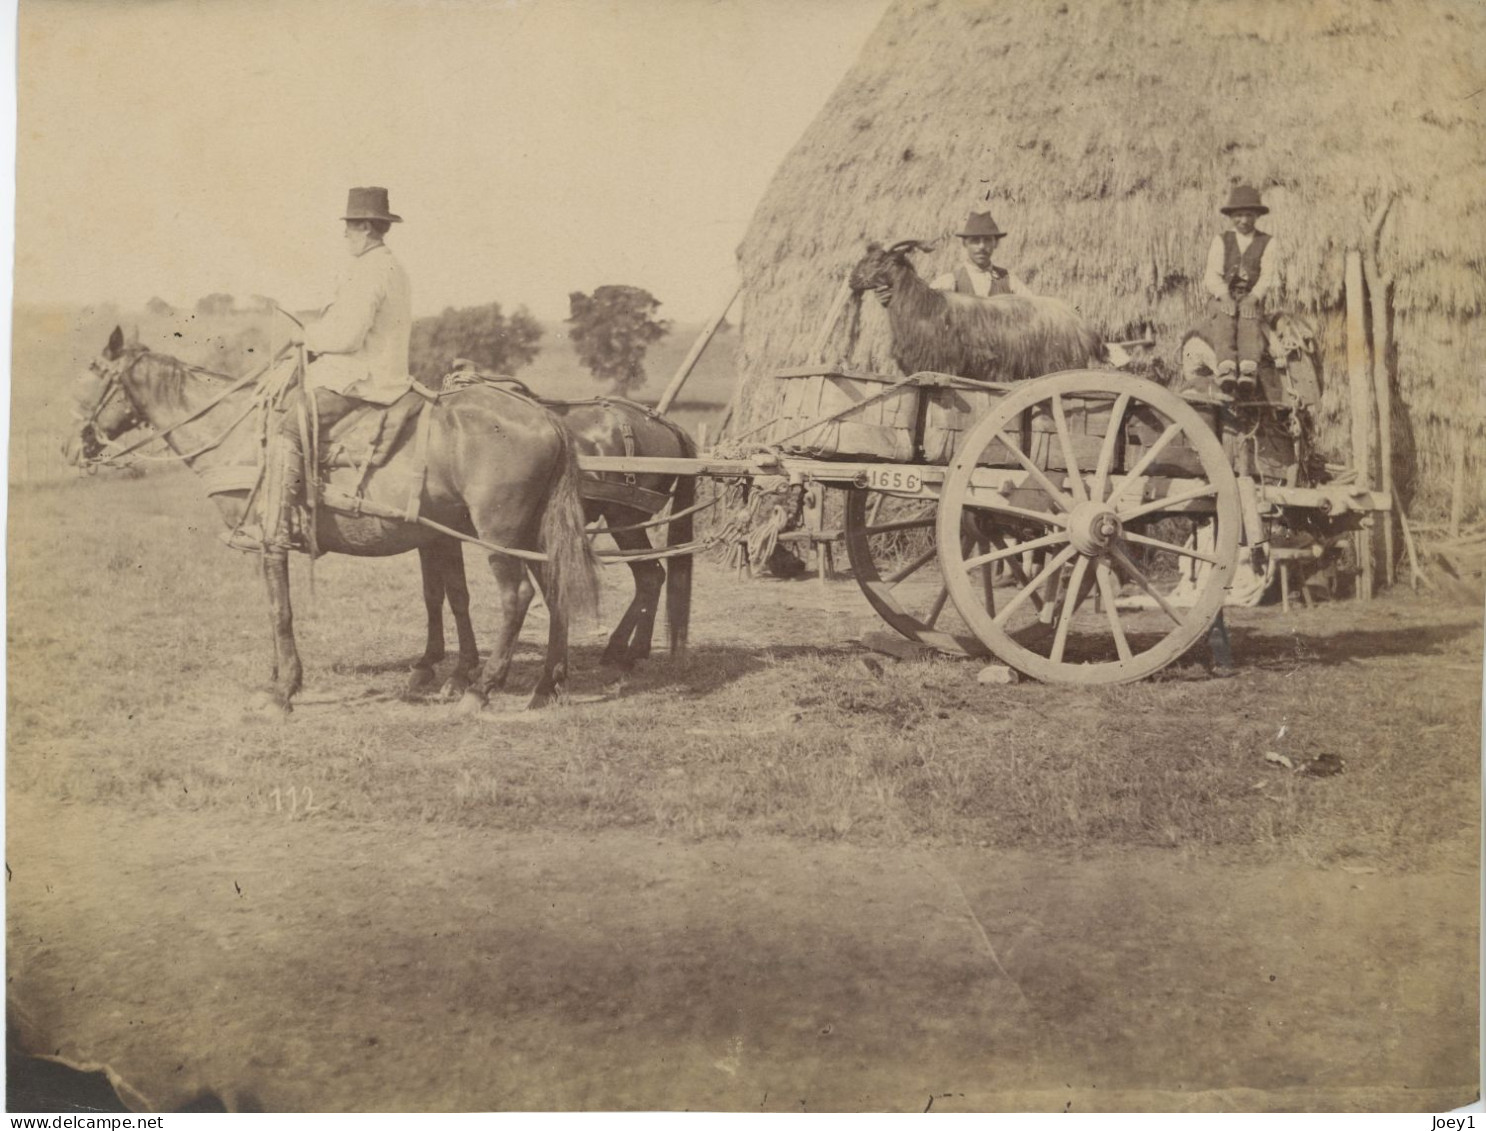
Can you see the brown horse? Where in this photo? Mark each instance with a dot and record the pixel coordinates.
(604, 426)
(499, 467)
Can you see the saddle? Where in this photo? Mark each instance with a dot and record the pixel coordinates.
(366, 437)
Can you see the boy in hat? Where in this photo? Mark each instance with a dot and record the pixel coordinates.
(978, 275)
(1240, 275)
(357, 353)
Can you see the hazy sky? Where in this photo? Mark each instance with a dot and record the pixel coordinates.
(533, 147)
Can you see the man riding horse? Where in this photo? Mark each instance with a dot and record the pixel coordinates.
(357, 353)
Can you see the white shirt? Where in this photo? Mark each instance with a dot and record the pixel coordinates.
(980, 281)
(362, 337)
(1217, 286)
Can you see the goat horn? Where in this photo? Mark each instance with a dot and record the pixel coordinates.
(910, 245)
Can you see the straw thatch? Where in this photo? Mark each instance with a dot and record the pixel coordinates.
(1106, 133)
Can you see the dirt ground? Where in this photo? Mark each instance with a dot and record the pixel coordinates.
(310, 967)
(493, 915)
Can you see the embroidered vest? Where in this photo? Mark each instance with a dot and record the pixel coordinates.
(999, 285)
(1241, 268)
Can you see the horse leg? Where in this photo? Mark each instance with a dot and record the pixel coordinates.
(514, 594)
(456, 588)
(433, 604)
(630, 640)
(650, 577)
(288, 673)
(552, 682)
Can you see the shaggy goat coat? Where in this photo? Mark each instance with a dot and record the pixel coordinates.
(1001, 338)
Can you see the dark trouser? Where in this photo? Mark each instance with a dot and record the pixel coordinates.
(1236, 330)
(285, 486)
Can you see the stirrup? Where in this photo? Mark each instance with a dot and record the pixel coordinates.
(249, 538)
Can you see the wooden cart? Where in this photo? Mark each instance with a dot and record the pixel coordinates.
(1083, 527)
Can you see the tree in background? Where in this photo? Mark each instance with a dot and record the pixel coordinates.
(159, 308)
(482, 334)
(612, 329)
(212, 305)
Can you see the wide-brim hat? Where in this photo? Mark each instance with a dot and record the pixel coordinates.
(369, 204)
(1243, 198)
(980, 224)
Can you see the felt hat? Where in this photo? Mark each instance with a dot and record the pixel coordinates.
(980, 224)
(369, 204)
(1244, 198)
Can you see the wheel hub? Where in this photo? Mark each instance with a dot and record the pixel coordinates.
(1092, 527)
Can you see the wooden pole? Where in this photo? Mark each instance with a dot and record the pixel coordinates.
(694, 355)
(1359, 381)
(818, 348)
(1380, 291)
(1416, 574)
(1457, 486)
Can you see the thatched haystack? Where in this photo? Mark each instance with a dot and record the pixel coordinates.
(1107, 132)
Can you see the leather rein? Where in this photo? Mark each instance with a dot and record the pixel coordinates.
(114, 384)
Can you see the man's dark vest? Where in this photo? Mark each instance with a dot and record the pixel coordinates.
(1241, 269)
(999, 285)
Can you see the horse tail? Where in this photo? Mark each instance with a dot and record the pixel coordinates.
(678, 568)
(570, 574)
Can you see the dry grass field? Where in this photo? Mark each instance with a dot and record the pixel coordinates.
(778, 787)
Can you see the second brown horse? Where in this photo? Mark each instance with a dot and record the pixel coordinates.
(603, 426)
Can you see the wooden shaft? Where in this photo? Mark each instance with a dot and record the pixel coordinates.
(1415, 573)
(1380, 288)
(1359, 381)
(1457, 485)
(694, 355)
(818, 348)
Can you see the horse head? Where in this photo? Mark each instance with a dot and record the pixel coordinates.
(1291, 335)
(102, 406)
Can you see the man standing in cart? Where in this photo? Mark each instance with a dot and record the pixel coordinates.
(1242, 267)
(977, 275)
(357, 354)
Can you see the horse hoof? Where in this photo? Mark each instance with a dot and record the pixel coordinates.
(269, 706)
(469, 704)
(454, 688)
(419, 682)
(269, 703)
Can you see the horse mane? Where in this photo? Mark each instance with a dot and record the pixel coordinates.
(169, 378)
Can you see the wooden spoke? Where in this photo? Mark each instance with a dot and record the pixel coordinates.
(1206, 491)
(1070, 461)
(1044, 517)
(1014, 564)
(1172, 432)
(1105, 577)
(1055, 492)
(1168, 547)
(1016, 550)
(906, 524)
(1076, 593)
(937, 607)
(1131, 571)
(1107, 449)
(1055, 563)
(884, 534)
(912, 567)
(987, 576)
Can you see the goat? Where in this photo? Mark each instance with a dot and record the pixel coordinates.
(1001, 338)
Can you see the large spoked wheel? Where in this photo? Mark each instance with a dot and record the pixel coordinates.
(890, 543)
(1109, 494)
